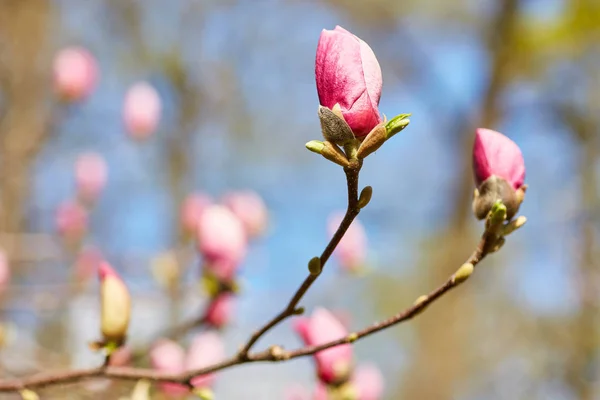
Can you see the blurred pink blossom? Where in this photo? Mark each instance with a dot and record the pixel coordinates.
(336, 362)
(4, 271)
(142, 110)
(206, 349)
(168, 356)
(351, 252)
(250, 209)
(348, 73)
(120, 357)
(220, 310)
(221, 241)
(495, 154)
(71, 220)
(191, 210)
(368, 382)
(75, 73)
(91, 174)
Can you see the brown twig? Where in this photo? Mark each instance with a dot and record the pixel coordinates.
(352, 212)
(487, 243)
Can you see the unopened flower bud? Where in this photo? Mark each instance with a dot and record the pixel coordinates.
(115, 305)
(463, 273)
(373, 141)
(365, 196)
(396, 124)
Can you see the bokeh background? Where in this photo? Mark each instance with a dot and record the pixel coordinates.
(237, 85)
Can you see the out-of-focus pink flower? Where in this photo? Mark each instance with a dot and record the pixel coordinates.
(120, 357)
(221, 240)
(88, 261)
(168, 356)
(4, 271)
(115, 305)
(142, 110)
(91, 174)
(75, 73)
(220, 310)
(351, 252)
(320, 392)
(296, 392)
(348, 74)
(191, 210)
(334, 363)
(71, 220)
(368, 382)
(495, 154)
(250, 208)
(206, 349)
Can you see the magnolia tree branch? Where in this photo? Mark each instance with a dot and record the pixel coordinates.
(489, 242)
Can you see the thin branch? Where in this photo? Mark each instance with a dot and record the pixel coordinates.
(488, 240)
(352, 212)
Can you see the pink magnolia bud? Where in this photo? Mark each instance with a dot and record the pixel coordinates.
(4, 271)
(71, 220)
(333, 364)
(320, 392)
(249, 207)
(168, 356)
(221, 240)
(142, 110)
(90, 176)
(368, 382)
(191, 210)
(348, 74)
(351, 252)
(120, 357)
(495, 154)
(75, 73)
(220, 310)
(206, 349)
(115, 304)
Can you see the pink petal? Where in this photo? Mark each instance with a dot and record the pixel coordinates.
(90, 175)
(142, 110)
(75, 73)
(168, 356)
(206, 349)
(496, 154)
(249, 207)
(368, 381)
(192, 209)
(220, 310)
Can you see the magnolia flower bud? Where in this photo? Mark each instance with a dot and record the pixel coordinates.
(192, 209)
(499, 171)
(334, 365)
(115, 305)
(71, 221)
(348, 73)
(220, 310)
(75, 73)
(142, 110)
(90, 176)
(168, 356)
(250, 209)
(368, 382)
(221, 241)
(206, 349)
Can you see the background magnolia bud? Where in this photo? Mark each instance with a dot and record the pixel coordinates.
(206, 349)
(142, 110)
(192, 208)
(220, 310)
(221, 240)
(75, 73)
(91, 174)
(333, 364)
(115, 305)
(168, 356)
(368, 382)
(71, 220)
(250, 209)
(495, 154)
(348, 73)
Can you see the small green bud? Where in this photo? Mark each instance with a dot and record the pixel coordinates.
(299, 311)
(316, 146)
(463, 273)
(498, 245)
(365, 196)
(420, 300)
(352, 337)
(396, 124)
(514, 225)
(204, 393)
(27, 394)
(314, 266)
